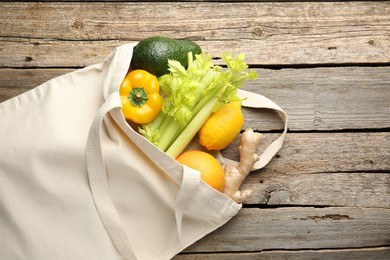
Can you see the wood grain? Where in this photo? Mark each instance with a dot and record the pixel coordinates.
(315, 98)
(326, 98)
(324, 189)
(323, 169)
(325, 153)
(326, 194)
(75, 34)
(299, 228)
(357, 254)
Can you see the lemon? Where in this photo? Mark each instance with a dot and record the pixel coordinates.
(222, 127)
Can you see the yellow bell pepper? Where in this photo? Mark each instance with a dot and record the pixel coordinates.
(141, 99)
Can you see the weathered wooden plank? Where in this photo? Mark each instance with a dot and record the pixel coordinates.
(315, 99)
(14, 82)
(327, 98)
(356, 254)
(27, 53)
(299, 228)
(75, 34)
(324, 189)
(324, 169)
(316, 153)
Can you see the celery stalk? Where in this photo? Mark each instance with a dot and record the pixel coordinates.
(182, 141)
(169, 135)
(170, 129)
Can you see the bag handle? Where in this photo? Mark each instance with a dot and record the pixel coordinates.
(254, 100)
(190, 183)
(99, 184)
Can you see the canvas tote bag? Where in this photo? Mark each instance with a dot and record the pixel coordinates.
(77, 182)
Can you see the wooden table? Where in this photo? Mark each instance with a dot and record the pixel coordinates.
(326, 195)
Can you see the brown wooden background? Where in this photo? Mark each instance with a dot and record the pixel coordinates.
(327, 193)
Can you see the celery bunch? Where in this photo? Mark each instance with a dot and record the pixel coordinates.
(191, 95)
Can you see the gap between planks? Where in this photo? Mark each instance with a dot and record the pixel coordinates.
(375, 252)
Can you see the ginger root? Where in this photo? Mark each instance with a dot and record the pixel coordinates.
(236, 174)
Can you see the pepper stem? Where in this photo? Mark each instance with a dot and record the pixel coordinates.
(138, 97)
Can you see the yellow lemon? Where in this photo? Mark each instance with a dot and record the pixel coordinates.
(222, 127)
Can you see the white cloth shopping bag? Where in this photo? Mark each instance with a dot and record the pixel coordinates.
(77, 182)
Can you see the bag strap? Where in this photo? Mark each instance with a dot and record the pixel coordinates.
(254, 100)
(99, 184)
(188, 187)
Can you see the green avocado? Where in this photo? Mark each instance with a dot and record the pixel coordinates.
(152, 54)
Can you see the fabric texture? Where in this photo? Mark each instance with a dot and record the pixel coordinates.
(77, 182)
